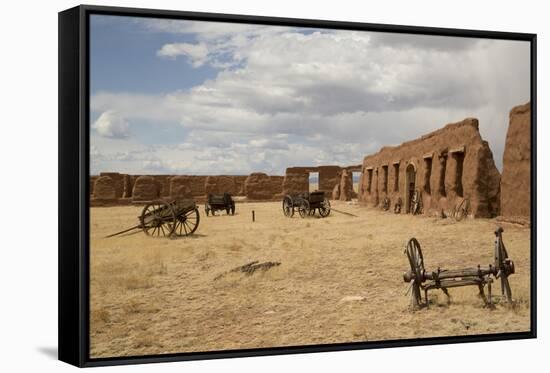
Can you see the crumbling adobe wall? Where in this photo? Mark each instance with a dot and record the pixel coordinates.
(296, 180)
(104, 189)
(346, 186)
(118, 182)
(92, 182)
(146, 188)
(276, 183)
(163, 183)
(515, 198)
(219, 184)
(180, 187)
(336, 192)
(329, 176)
(258, 186)
(195, 183)
(446, 166)
(239, 184)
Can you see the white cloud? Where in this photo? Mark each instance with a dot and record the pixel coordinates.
(111, 124)
(197, 53)
(283, 98)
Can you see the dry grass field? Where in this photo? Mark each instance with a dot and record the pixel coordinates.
(339, 280)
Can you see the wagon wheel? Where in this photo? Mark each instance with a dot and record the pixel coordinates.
(303, 208)
(324, 209)
(416, 261)
(288, 209)
(415, 203)
(386, 204)
(187, 223)
(397, 207)
(462, 210)
(157, 219)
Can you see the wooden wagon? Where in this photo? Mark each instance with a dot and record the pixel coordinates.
(219, 202)
(162, 218)
(306, 204)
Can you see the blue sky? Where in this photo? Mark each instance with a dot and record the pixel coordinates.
(183, 97)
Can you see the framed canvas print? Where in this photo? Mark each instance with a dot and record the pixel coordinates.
(237, 186)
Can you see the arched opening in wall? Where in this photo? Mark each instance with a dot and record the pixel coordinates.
(356, 177)
(385, 179)
(369, 180)
(313, 181)
(396, 177)
(427, 175)
(442, 170)
(459, 159)
(411, 185)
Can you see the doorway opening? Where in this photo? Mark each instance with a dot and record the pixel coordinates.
(459, 159)
(411, 185)
(356, 178)
(313, 181)
(442, 171)
(396, 177)
(385, 179)
(427, 175)
(369, 180)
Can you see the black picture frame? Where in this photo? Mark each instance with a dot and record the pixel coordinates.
(74, 146)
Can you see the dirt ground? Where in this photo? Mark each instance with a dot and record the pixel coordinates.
(339, 280)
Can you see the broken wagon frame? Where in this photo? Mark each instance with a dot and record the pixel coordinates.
(420, 279)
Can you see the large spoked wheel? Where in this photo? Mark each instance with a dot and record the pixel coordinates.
(386, 204)
(397, 206)
(157, 219)
(462, 210)
(288, 210)
(416, 261)
(416, 203)
(187, 223)
(303, 208)
(324, 209)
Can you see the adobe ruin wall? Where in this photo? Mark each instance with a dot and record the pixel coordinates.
(109, 188)
(445, 166)
(516, 170)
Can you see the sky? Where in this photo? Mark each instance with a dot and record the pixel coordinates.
(192, 97)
